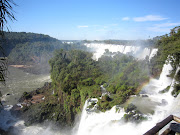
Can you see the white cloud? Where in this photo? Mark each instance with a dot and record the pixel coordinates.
(164, 27)
(125, 18)
(149, 18)
(167, 24)
(82, 26)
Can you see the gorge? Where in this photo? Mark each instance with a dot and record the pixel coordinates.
(148, 84)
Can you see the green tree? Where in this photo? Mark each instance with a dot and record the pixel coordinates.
(6, 12)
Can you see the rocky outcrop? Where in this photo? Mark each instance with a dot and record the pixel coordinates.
(133, 115)
(42, 105)
(35, 95)
(2, 132)
(175, 127)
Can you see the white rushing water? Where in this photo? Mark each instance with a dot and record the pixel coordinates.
(92, 121)
(110, 122)
(136, 51)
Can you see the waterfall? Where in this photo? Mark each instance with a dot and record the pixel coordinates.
(153, 53)
(110, 122)
(136, 51)
(174, 81)
(83, 119)
(95, 122)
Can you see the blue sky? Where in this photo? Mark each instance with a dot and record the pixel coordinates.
(97, 19)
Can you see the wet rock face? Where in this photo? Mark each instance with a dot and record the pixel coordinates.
(130, 108)
(16, 111)
(164, 102)
(133, 115)
(2, 132)
(145, 95)
(41, 106)
(25, 109)
(42, 112)
(33, 94)
(175, 127)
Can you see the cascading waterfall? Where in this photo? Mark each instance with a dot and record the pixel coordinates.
(174, 81)
(174, 109)
(153, 53)
(94, 122)
(83, 117)
(110, 122)
(136, 51)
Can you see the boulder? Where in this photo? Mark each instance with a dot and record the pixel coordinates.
(175, 127)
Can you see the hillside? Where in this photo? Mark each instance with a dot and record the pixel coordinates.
(169, 49)
(33, 50)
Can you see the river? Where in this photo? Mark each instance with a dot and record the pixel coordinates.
(18, 82)
(91, 123)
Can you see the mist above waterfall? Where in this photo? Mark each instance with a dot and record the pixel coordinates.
(140, 52)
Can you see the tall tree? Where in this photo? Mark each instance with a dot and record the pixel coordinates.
(6, 12)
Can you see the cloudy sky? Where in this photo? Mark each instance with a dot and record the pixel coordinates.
(97, 19)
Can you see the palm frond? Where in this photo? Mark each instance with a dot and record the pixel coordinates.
(6, 12)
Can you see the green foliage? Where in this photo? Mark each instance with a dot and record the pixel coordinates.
(77, 75)
(168, 45)
(7, 14)
(74, 73)
(133, 115)
(101, 80)
(125, 75)
(27, 95)
(105, 85)
(176, 90)
(91, 105)
(177, 76)
(88, 82)
(104, 103)
(31, 48)
(165, 90)
(130, 107)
